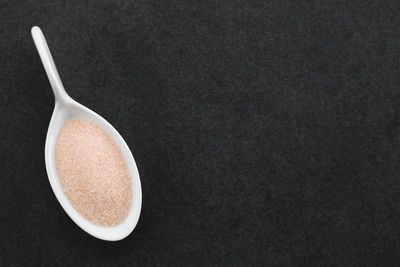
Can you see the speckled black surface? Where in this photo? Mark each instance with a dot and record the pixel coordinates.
(266, 133)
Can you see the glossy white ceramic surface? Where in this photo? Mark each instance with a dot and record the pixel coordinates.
(66, 108)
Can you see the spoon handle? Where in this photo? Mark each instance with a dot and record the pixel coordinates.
(49, 66)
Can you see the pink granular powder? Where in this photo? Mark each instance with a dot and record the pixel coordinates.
(93, 173)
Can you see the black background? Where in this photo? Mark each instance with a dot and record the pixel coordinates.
(266, 133)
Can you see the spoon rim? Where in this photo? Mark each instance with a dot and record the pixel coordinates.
(107, 233)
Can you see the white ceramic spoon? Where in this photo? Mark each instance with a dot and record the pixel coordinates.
(66, 108)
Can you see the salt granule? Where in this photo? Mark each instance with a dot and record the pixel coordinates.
(93, 173)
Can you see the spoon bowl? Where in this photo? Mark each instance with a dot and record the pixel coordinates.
(67, 108)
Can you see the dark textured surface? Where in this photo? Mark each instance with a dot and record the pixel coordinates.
(266, 133)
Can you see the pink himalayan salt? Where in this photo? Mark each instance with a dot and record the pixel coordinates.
(93, 173)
